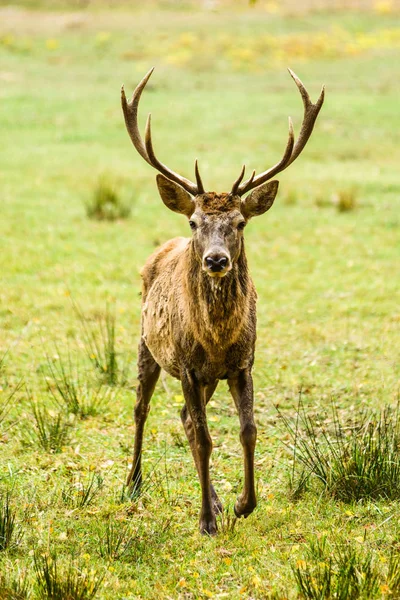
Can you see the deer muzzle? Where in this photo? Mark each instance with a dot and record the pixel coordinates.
(216, 264)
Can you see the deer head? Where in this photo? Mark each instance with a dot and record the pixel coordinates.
(218, 220)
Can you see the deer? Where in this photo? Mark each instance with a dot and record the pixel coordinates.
(198, 320)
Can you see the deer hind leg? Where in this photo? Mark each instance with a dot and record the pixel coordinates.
(241, 388)
(189, 430)
(194, 393)
(148, 374)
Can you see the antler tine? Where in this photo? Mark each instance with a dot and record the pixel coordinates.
(292, 149)
(130, 110)
(310, 115)
(250, 179)
(146, 150)
(282, 164)
(200, 187)
(235, 186)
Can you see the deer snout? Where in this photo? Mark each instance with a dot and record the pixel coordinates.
(217, 262)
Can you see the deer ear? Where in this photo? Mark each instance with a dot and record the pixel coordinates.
(175, 197)
(260, 200)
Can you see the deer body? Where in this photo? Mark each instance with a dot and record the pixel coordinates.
(199, 305)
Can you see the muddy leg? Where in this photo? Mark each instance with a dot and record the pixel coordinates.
(189, 430)
(148, 373)
(241, 388)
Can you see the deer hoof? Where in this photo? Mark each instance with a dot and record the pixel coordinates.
(208, 526)
(244, 509)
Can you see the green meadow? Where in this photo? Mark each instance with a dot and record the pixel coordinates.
(326, 264)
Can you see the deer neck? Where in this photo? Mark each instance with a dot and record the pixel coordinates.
(218, 306)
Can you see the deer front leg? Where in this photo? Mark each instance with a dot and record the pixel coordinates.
(148, 374)
(241, 388)
(194, 394)
(189, 430)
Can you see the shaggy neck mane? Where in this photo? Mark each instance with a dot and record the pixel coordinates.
(217, 306)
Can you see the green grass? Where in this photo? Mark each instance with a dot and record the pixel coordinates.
(71, 583)
(107, 202)
(327, 281)
(10, 533)
(352, 461)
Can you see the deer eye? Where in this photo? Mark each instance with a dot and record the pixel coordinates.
(192, 225)
(241, 225)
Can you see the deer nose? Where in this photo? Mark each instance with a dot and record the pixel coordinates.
(216, 262)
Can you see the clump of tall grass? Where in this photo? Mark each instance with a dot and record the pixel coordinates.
(350, 461)
(107, 202)
(117, 539)
(82, 493)
(344, 574)
(51, 429)
(68, 390)
(10, 532)
(14, 587)
(68, 582)
(345, 199)
(101, 346)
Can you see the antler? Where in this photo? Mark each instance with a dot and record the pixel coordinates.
(146, 149)
(293, 149)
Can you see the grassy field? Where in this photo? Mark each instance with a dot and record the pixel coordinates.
(325, 261)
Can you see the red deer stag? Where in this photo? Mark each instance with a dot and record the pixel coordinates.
(199, 303)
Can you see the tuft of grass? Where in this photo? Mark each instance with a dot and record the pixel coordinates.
(69, 392)
(10, 532)
(344, 574)
(116, 539)
(228, 521)
(345, 200)
(51, 429)
(352, 462)
(101, 346)
(107, 203)
(65, 583)
(80, 494)
(14, 587)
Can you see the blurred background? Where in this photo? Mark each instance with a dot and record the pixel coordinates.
(80, 209)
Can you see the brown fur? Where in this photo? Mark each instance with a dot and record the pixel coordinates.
(212, 203)
(190, 319)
